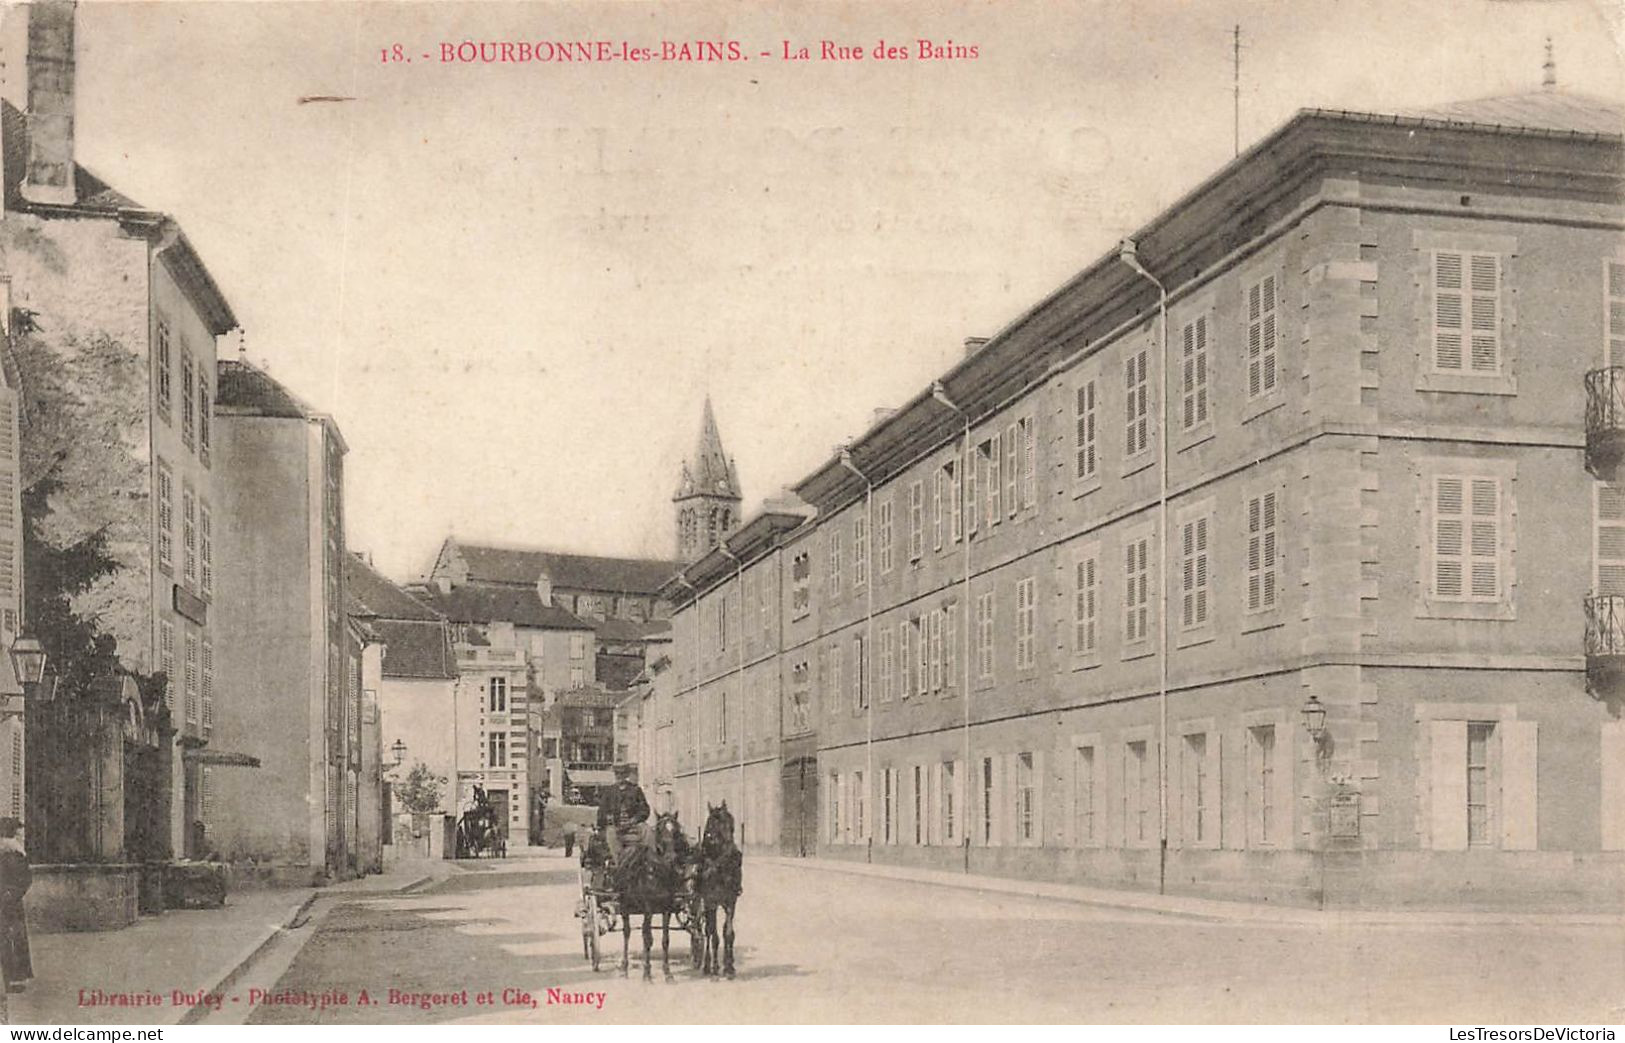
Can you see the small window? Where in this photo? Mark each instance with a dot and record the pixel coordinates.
(1086, 605)
(1262, 338)
(1084, 443)
(1193, 375)
(883, 534)
(1136, 405)
(1467, 313)
(1136, 590)
(1263, 579)
(498, 687)
(1467, 518)
(1193, 565)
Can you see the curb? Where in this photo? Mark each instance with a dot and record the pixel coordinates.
(1242, 913)
(197, 1013)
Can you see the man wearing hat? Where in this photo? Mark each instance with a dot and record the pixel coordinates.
(15, 877)
(622, 810)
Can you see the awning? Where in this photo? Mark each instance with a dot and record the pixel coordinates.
(591, 777)
(221, 758)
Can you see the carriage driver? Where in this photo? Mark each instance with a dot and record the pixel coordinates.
(622, 810)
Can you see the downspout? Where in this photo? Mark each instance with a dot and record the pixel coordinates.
(693, 709)
(739, 672)
(1128, 255)
(868, 634)
(940, 393)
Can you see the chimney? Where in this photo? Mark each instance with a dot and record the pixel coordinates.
(544, 588)
(973, 345)
(49, 177)
(881, 415)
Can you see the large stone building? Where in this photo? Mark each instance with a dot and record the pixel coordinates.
(111, 323)
(288, 656)
(1244, 562)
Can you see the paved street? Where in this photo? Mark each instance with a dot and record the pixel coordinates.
(817, 945)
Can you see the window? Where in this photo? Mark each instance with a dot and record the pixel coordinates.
(1466, 313)
(578, 677)
(188, 407)
(973, 506)
(860, 668)
(948, 803)
(984, 636)
(1136, 590)
(837, 680)
(1482, 788)
(905, 658)
(801, 585)
(1262, 790)
(950, 648)
(1026, 611)
(205, 538)
(888, 806)
(934, 640)
(860, 551)
(1086, 603)
(1193, 580)
(992, 487)
(916, 521)
(888, 645)
(166, 518)
(1478, 783)
(166, 662)
(800, 712)
(1193, 373)
(719, 716)
(834, 562)
(498, 687)
(163, 361)
(497, 751)
(1084, 442)
(860, 806)
(1466, 547)
(938, 493)
(1083, 794)
(1029, 462)
(1027, 825)
(1200, 791)
(1012, 469)
(1263, 582)
(191, 679)
(834, 815)
(883, 534)
(922, 656)
(1614, 354)
(189, 538)
(989, 802)
(1608, 573)
(1138, 791)
(1137, 405)
(1262, 340)
(578, 646)
(956, 517)
(203, 411)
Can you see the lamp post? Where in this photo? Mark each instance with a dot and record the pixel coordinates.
(28, 660)
(398, 748)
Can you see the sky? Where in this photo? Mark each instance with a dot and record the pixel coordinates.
(513, 285)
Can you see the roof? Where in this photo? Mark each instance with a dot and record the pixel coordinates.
(630, 629)
(520, 606)
(241, 387)
(490, 564)
(375, 596)
(1549, 109)
(417, 649)
(710, 472)
(618, 672)
(587, 697)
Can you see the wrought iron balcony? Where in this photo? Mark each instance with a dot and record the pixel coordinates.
(1605, 646)
(1605, 421)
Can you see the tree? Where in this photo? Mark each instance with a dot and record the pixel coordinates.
(420, 792)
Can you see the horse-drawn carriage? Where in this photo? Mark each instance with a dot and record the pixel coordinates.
(479, 830)
(661, 873)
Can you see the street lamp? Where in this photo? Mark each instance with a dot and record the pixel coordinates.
(1314, 719)
(398, 748)
(28, 660)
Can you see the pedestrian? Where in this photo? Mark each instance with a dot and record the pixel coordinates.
(569, 838)
(15, 877)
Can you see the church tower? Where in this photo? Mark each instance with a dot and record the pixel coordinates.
(707, 494)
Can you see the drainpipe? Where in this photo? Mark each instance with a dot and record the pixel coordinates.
(1128, 255)
(694, 701)
(868, 632)
(739, 672)
(940, 393)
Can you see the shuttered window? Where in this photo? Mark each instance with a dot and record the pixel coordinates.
(888, 646)
(860, 667)
(834, 577)
(166, 518)
(1615, 316)
(905, 659)
(1609, 575)
(1193, 374)
(163, 361)
(208, 686)
(191, 679)
(956, 516)
(10, 510)
(1084, 443)
(1262, 337)
(916, 521)
(1262, 573)
(883, 534)
(837, 680)
(189, 538)
(994, 485)
(1083, 795)
(1026, 628)
(973, 506)
(1193, 563)
(1029, 462)
(1136, 405)
(860, 559)
(922, 656)
(1466, 534)
(1136, 591)
(205, 550)
(939, 488)
(934, 621)
(1086, 604)
(984, 636)
(166, 662)
(950, 647)
(1466, 313)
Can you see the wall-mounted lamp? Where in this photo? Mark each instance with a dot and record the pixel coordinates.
(1314, 719)
(398, 748)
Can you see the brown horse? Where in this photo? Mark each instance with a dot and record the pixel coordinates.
(650, 879)
(721, 882)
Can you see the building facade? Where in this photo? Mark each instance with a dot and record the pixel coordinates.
(1243, 563)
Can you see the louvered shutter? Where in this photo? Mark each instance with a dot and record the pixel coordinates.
(1012, 469)
(1448, 309)
(1616, 313)
(1609, 574)
(1029, 462)
(1085, 409)
(11, 516)
(1485, 286)
(1038, 797)
(1519, 785)
(1484, 545)
(1448, 543)
(1261, 337)
(1447, 762)
(994, 483)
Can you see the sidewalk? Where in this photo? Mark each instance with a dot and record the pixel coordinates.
(182, 951)
(1206, 909)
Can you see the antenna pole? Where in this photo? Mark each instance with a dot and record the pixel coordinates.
(1236, 88)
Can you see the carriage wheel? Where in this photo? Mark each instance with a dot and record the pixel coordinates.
(590, 930)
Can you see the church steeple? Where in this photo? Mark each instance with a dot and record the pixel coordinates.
(708, 495)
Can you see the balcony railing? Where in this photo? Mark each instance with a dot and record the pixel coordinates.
(1605, 420)
(588, 765)
(1605, 625)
